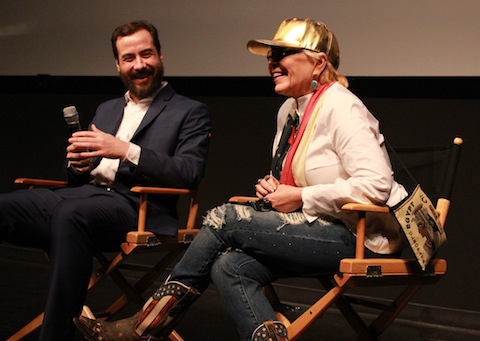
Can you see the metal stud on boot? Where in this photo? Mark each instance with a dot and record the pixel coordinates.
(155, 322)
(270, 331)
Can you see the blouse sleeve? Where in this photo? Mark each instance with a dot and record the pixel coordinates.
(353, 135)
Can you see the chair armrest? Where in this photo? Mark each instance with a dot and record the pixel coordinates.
(365, 208)
(141, 232)
(362, 209)
(40, 182)
(241, 198)
(160, 190)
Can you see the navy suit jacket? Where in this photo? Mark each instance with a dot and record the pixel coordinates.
(174, 137)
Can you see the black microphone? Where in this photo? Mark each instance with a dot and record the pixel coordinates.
(70, 114)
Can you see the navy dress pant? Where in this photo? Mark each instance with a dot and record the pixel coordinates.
(71, 224)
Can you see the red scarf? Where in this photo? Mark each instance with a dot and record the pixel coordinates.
(286, 177)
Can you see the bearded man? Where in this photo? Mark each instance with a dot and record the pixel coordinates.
(150, 136)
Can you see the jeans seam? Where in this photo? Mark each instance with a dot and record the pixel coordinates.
(246, 300)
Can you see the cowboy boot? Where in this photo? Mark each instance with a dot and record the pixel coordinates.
(155, 322)
(270, 331)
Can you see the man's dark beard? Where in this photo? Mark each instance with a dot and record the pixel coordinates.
(144, 91)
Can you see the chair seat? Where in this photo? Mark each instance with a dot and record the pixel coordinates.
(389, 267)
(137, 240)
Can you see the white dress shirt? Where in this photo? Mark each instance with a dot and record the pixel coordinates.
(133, 114)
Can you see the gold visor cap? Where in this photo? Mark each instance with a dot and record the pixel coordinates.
(300, 34)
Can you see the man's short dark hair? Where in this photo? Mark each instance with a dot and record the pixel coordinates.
(131, 28)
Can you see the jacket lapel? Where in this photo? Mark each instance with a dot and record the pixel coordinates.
(159, 103)
(117, 117)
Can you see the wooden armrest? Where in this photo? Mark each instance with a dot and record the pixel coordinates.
(365, 208)
(362, 209)
(159, 190)
(142, 210)
(241, 198)
(40, 182)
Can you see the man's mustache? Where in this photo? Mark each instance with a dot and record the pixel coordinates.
(142, 73)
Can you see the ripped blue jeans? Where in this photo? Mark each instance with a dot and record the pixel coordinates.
(240, 250)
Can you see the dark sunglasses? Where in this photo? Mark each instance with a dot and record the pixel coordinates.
(276, 54)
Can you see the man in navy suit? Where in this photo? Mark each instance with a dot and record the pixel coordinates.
(150, 136)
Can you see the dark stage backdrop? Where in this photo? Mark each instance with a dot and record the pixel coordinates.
(413, 111)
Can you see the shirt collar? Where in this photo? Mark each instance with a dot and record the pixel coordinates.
(301, 103)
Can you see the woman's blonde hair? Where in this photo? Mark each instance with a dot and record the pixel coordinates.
(330, 73)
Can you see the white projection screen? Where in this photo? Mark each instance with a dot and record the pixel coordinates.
(208, 37)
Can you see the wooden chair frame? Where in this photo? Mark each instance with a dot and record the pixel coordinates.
(370, 272)
(136, 242)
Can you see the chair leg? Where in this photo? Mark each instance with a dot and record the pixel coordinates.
(277, 305)
(28, 328)
(352, 317)
(87, 312)
(355, 321)
(174, 336)
(386, 318)
(308, 317)
(132, 293)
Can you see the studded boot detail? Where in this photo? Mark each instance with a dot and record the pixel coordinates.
(163, 310)
(270, 331)
(155, 322)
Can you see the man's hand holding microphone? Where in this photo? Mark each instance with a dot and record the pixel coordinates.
(88, 144)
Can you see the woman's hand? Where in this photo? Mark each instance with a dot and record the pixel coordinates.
(283, 198)
(286, 198)
(266, 185)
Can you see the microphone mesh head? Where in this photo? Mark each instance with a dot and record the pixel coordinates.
(70, 115)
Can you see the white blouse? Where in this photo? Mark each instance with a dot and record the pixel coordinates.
(346, 162)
